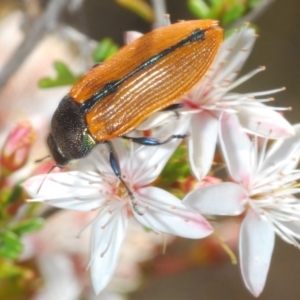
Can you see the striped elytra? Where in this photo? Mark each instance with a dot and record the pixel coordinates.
(148, 75)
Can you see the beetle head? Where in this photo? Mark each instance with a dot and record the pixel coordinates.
(69, 138)
(60, 159)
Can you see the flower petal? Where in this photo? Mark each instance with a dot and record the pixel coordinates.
(157, 119)
(220, 199)
(99, 157)
(290, 231)
(166, 213)
(263, 120)
(234, 50)
(256, 247)
(287, 150)
(237, 148)
(202, 143)
(130, 36)
(147, 162)
(107, 236)
(61, 280)
(70, 190)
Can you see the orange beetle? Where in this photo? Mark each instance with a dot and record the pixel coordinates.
(148, 75)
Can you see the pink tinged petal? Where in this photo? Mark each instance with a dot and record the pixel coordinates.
(220, 199)
(265, 121)
(107, 236)
(237, 148)
(163, 212)
(256, 247)
(59, 274)
(202, 143)
(147, 162)
(130, 36)
(233, 54)
(284, 154)
(69, 190)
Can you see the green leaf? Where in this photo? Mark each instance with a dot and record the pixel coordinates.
(229, 32)
(4, 195)
(147, 229)
(217, 3)
(62, 69)
(64, 77)
(199, 8)
(252, 3)
(113, 49)
(27, 226)
(7, 252)
(234, 13)
(9, 270)
(10, 245)
(15, 193)
(140, 7)
(177, 168)
(105, 49)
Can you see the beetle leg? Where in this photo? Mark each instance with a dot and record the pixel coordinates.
(174, 107)
(150, 141)
(115, 165)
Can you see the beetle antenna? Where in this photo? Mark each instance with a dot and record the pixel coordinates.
(41, 159)
(50, 170)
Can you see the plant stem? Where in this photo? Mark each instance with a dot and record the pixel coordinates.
(45, 23)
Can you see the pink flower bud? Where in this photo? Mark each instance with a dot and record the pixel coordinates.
(16, 148)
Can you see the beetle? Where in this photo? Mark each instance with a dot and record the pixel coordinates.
(148, 75)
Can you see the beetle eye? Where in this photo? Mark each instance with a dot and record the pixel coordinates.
(60, 160)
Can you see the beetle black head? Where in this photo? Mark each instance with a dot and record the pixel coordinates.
(69, 138)
(60, 160)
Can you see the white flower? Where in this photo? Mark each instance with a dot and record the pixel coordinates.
(263, 186)
(101, 190)
(61, 259)
(213, 95)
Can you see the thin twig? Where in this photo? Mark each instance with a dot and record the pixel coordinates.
(255, 13)
(160, 10)
(44, 24)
